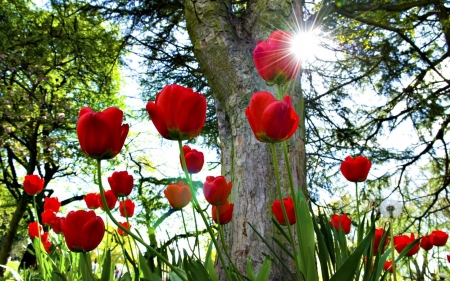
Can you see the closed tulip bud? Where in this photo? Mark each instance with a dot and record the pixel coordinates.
(83, 230)
(178, 113)
(33, 184)
(379, 234)
(111, 200)
(402, 241)
(439, 238)
(388, 266)
(34, 229)
(426, 243)
(47, 217)
(274, 59)
(278, 211)
(271, 120)
(92, 200)
(121, 183)
(120, 231)
(126, 208)
(178, 195)
(341, 222)
(194, 160)
(225, 213)
(101, 134)
(52, 203)
(355, 169)
(216, 190)
(56, 225)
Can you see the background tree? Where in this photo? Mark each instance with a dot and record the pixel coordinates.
(51, 64)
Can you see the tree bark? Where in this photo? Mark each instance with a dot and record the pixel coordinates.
(223, 45)
(8, 240)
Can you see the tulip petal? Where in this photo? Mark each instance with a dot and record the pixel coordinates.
(92, 234)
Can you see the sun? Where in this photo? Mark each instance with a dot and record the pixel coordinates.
(305, 45)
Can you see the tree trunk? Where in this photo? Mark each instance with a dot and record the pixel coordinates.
(223, 45)
(12, 230)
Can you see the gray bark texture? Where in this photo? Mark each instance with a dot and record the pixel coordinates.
(223, 45)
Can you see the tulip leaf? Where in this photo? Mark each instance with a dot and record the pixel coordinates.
(263, 274)
(163, 217)
(349, 267)
(144, 268)
(209, 264)
(250, 273)
(106, 270)
(195, 271)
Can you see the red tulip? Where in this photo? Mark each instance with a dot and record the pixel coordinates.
(34, 229)
(92, 200)
(426, 243)
(178, 113)
(56, 225)
(46, 242)
(278, 211)
(388, 266)
(52, 203)
(439, 237)
(225, 213)
(83, 230)
(101, 134)
(341, 221)
(126, 208)
(33, 184)
(120, 231)
(111, 200)
(121, 183)
(194, 160)
(379, 233)
(274, 58)
(402, 241)
(47, 217)
(178, 195)
(271, 120)
(216, 190)
(448, 258)
(355, 169)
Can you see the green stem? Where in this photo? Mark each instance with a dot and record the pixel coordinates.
(197, 207)
(197, 239)
(283, 209)
(88, 266)
(185, 230)
(38, 250)
(391, 229)
(222, 240)
(135, 237)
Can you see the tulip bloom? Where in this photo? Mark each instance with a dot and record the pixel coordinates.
(216, 190)
(52, 203)
(120, 231)
(101, 134)
(111, 200)
(47, 217)
(379, 233)
(271, 120)
(402, 241)
(46, 242)
(34, 229)
(388, 266)
(56, 225)
(448, 258)
(126, 208)
(225, 213)
(178, 195)
(121, 183)
(278, 211)
(426, 242)
(33, 184)
(274, 59)
(355, 169)
(92, 200)
(83, 230)
(341, 222)
(194, 160)
(178, 113)
(439, 237)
